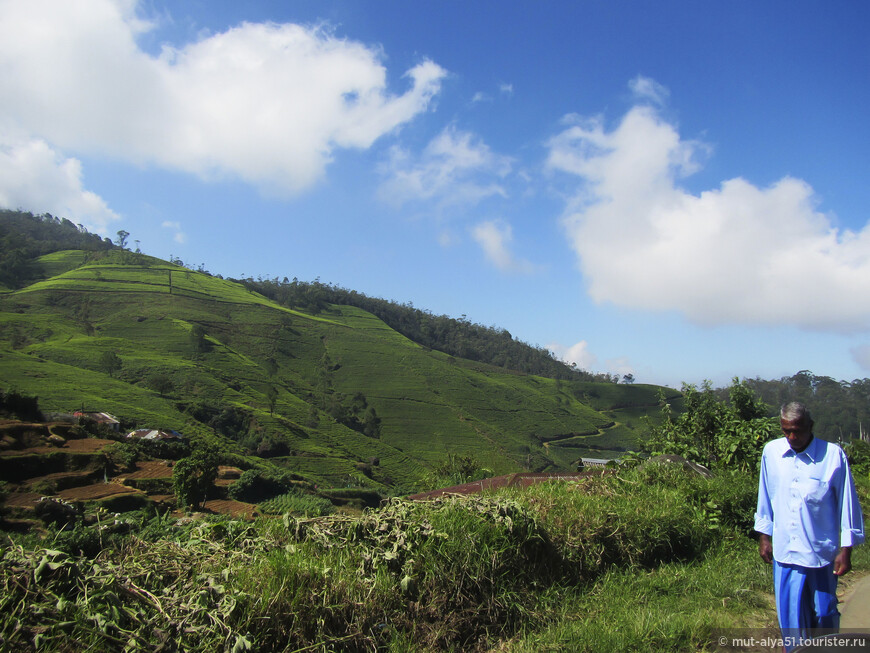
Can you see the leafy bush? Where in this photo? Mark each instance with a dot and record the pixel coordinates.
(19, 406)
(255, 486)
(858, 452)
(122, 455)
(456, 470)
(455, 573)
(193, 477)
(715, 433)
(230, 421)
(57, 512)
(296, 502)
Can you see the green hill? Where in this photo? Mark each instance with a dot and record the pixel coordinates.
(338, 397)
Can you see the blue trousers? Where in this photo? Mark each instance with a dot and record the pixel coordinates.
(806, 600)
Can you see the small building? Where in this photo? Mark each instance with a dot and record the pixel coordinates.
(154, 434)
(586, 463)
(100, 418)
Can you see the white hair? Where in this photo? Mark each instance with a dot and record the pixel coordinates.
(796, 411)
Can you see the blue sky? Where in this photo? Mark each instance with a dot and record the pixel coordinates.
(672, 189)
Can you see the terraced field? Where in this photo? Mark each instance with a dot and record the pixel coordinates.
(96, 484)
(230, 368)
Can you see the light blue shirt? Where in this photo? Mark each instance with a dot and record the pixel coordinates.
(807, 503)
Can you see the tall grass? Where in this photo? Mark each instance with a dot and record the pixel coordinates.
(646, 559)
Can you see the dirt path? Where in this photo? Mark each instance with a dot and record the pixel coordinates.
(855, 605)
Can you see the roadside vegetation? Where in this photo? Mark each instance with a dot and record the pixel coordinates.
(650, 558)
(524, 570)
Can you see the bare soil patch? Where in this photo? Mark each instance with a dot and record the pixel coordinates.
(66, 479)
(95, 492)
(149, 469)
(229, 507)
(27, 500)
(81, 445)
(29, 440)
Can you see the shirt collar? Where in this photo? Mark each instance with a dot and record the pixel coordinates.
(812, 451)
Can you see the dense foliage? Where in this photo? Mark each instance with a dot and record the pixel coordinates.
(24, 237)
(194, 476)
(455, 470)
(858, 452)
(718, 434)
(18, 406)
(840, 409)
(456, 573)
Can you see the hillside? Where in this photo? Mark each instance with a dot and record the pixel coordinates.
(338, 397)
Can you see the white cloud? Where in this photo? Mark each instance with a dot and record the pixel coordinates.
(495, 237)
(178, 236)
(455, 169)
(645, 88)
(506, 89)
(733, 254)
(578, 354)
(266, 103)
(34, 177)
(620, 366)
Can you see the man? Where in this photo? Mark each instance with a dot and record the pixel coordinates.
(809, 519)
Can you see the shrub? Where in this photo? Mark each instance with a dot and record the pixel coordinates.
(714, 433)
(858, 452)
(297, 502)
(122, 455)
(254, 486)
(20, 406)
(168, 449)
(193, 477)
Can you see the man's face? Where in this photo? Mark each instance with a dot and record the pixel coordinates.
(797, 432)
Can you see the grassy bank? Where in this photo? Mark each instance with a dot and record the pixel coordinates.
(647, 559)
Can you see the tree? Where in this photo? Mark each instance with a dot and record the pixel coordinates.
(193, 477)
(110, 363)
(727, 435)
(859, 456)
(198, 343)
(161, 383)
(272, 397)
(121, 240)
(372, 423)
(456, 470)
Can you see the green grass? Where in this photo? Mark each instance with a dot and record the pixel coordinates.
(54, 332)
(297, 503)
(675, 607)
(629, 561)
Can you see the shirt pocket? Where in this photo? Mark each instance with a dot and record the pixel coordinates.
(816, 493)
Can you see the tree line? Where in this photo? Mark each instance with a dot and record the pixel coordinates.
(840, 409)
(25, 237)
(458, 337)
(727, 428)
